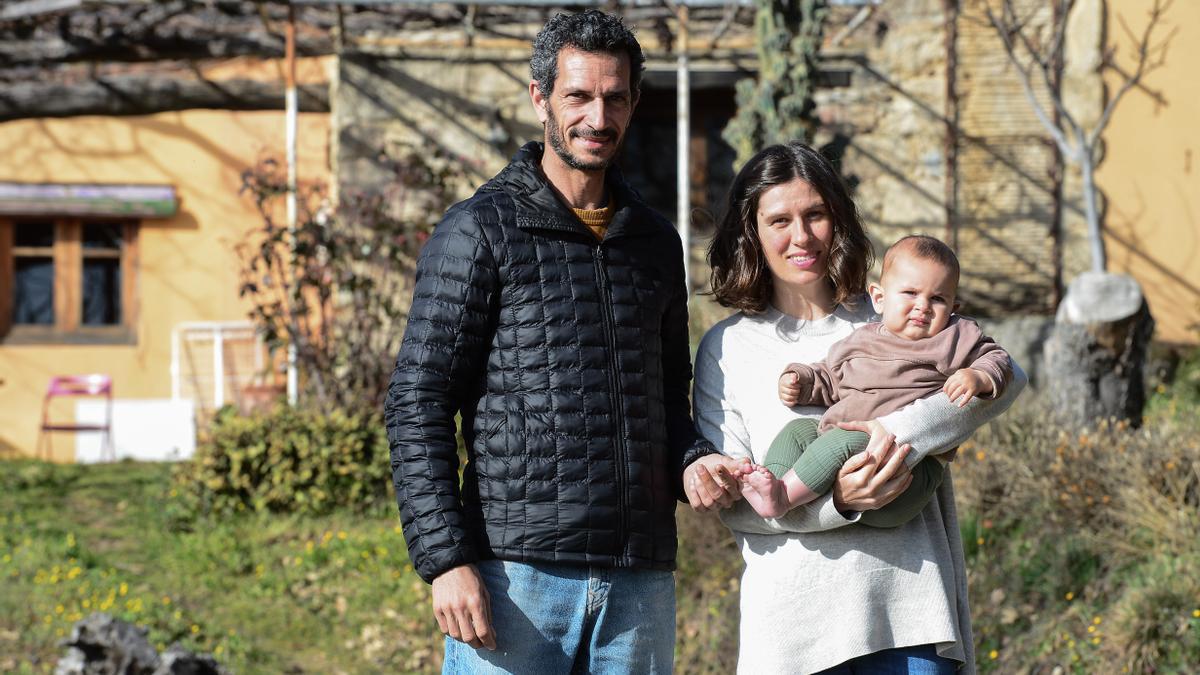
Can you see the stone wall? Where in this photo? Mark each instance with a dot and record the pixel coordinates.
(890, 125)
(883, 113)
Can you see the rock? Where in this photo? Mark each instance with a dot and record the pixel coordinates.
(1097, 351)
(179, 661)
(102, 645)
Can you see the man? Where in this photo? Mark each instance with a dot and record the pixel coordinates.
(550, 312)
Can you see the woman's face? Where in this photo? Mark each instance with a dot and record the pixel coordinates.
(796, 232)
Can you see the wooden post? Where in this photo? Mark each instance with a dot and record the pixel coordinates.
(68, 275)
(129, 277)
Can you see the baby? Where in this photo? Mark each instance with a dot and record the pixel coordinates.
(917, 348)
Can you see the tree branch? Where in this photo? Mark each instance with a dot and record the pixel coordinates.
(1144, 65)
(1002, 29)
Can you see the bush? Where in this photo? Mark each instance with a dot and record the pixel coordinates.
(1084, 548)
(287, 460)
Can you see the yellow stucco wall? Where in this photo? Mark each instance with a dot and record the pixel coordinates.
(188, 268)
(1151, 170)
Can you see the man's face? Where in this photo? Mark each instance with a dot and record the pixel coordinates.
(589, 110)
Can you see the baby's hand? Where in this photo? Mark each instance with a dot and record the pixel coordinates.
(965, 384)
(789, 388)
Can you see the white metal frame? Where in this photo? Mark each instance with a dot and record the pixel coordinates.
(215, 331)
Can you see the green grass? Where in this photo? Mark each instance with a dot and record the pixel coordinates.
(1083, 553)
(264, 594)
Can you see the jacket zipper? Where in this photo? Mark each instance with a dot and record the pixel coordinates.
(614, 386)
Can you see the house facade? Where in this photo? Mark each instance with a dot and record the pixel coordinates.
(115, 283)
(96, 285)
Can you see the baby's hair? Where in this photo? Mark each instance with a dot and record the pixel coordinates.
(926, 247)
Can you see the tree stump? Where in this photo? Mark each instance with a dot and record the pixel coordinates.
(1097, 349)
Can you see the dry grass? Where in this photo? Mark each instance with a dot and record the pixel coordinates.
(1084, 548)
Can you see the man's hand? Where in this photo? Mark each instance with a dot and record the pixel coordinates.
(710, 482)
(874, 477)
(789, 388)
(965, 384)
(463, 607)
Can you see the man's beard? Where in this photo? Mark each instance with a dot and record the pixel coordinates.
(558, 143)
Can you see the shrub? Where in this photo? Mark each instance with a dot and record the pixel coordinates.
(1083, 548)
(287, 460)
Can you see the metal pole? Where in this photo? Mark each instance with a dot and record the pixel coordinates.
(683, 124)
(218, 368)
(290, 115)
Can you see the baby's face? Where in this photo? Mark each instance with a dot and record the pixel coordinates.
(915, 297)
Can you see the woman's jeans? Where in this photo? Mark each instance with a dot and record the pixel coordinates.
(919, 660)
(553, 618)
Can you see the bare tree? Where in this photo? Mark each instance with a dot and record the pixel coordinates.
(1036, 59)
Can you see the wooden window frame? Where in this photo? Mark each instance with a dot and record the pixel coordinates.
(68, 254)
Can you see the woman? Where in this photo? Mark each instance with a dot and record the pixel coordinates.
(791, 255)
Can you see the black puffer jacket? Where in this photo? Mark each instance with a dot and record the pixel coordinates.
(568, 360)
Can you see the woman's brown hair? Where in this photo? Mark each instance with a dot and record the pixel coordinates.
(740, 278)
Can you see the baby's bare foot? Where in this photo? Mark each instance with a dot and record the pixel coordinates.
(766, 493)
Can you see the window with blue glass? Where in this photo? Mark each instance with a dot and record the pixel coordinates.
(65, 279)
(33, 273)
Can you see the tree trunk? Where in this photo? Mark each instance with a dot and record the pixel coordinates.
(1097, 350)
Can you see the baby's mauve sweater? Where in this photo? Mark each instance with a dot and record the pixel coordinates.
(872, 372)
(818, 589)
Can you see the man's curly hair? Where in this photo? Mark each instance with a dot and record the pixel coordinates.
(591, 31)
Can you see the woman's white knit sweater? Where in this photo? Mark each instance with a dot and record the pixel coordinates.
(818, 589)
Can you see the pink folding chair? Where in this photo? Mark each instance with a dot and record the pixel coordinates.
(78, 385)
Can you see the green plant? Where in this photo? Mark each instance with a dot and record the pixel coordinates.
(286, 460)
(262, 592)
(779, 106)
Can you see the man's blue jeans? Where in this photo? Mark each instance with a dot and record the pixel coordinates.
(553, 618)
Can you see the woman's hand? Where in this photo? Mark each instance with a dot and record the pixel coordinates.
(872, 478)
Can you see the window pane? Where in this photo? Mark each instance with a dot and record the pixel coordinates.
(33, 291)
(102, 235)
(34, 233)
(101, 291)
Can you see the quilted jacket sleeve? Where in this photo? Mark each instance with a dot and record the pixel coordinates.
(441, 360)
(686, 444)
